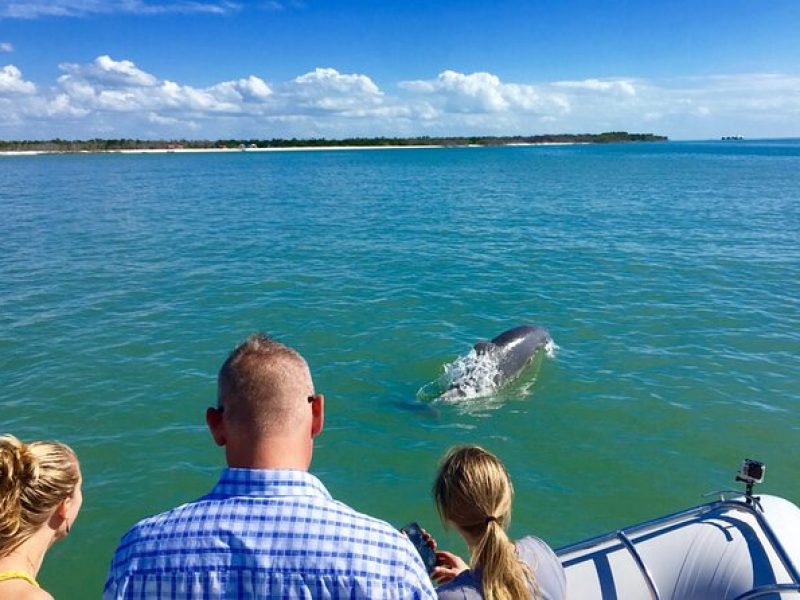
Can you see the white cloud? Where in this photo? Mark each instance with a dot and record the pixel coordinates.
(485, 93)
(328, 91)
(754, 105)
(33, 9)
(6, 47)
(250, 89)
(332, 81)
(172, 122)
(112, 97)
(171, 95)
(11, 82)
(108, 72)
(109, 93)
(621, 87)
(120, 86)
(61, 106)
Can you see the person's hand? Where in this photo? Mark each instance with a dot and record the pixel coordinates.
(448, 565)
(428, 539)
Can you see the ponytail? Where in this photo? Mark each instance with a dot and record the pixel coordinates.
(503, 575)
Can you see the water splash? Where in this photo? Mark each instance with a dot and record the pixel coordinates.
(550, 348)
(476, 375)
(472, 376)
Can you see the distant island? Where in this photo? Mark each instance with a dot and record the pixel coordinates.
(125, 144)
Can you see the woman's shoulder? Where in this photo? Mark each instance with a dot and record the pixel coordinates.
(546, 565)
(39, 594)
(534, 545)
(462, 587)
(22, 590)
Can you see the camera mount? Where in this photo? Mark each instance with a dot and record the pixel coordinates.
(750, 473)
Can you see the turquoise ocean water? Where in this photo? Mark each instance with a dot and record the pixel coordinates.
(667, 274)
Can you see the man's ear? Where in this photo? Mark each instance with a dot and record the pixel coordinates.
(216, 425)
(317, 415)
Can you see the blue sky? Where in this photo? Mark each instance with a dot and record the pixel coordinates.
(326, 68)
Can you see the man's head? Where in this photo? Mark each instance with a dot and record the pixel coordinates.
(266, 405)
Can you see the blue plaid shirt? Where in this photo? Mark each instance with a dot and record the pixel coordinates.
(266, 534)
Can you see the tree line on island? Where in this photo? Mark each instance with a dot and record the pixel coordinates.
(110, 145)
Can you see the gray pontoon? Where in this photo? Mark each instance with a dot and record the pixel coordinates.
(731, 549)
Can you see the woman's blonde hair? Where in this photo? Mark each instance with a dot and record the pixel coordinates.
(34, 479)
(473, 490)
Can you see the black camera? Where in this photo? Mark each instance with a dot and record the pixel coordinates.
(426, 553)
(751, 471)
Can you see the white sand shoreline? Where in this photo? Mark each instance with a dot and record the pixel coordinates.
(248, 150)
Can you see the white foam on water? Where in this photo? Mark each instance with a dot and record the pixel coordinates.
(474, 375)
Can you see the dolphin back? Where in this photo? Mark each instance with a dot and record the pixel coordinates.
(493, 364)
(538, 335)
(517, 347)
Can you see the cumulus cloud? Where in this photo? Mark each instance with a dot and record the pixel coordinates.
(250, 89)
(33, 9)
(485, 93)
(108, 72)
(110, 93)
(114, 97)
(11, 82)
(59, 106)
(6, 47)
(328, 91)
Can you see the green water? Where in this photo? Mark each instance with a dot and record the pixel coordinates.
(666, 273)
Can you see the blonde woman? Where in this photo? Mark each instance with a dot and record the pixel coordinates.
(473, 493)
(40, 497)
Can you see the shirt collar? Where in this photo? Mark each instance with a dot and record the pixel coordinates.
(268, 482)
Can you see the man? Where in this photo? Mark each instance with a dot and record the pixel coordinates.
(268, 529)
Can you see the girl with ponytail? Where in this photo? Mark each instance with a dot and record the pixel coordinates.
(40, 496)
(473, 492)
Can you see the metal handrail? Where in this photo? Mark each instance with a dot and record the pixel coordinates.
(607, 537)
(753, 508)
(648, 576)
(776, 544)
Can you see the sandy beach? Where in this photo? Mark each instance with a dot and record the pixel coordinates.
(248, 150)
(211, 150)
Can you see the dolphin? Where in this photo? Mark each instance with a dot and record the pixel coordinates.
(503, 359)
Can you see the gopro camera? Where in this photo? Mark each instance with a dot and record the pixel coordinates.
(751, 471)
(414, 533)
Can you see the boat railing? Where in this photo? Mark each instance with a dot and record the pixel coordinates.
(750, 505)
(648, 576)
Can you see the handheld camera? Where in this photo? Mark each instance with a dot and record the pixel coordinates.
(414, 533)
